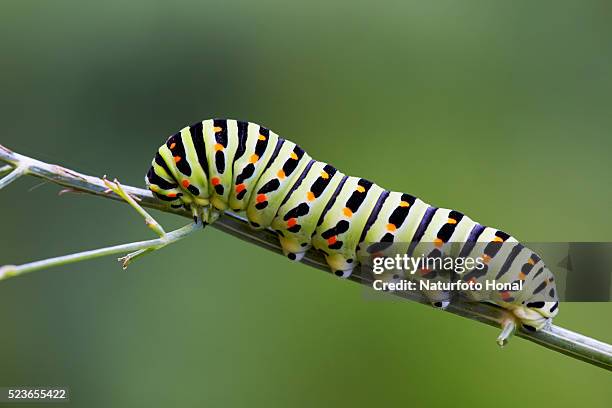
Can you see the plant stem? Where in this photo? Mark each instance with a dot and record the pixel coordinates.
(5, 170)
(12, 176)
(9, 271)
(554, 338)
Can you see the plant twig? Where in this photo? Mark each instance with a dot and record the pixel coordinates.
(5, 170)
(554, 337)
(9, 271)
(12, 176)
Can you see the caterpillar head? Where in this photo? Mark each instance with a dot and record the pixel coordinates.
(163, 189)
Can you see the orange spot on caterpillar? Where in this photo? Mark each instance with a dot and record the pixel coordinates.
(391, 227)
(215, 181)
(240, 187)
(261, 198)
(473, 280)
(171, 195)
(347, 212)
(253, 159)
(177, 159)
(505, 295)
(324, 175)
(451, 221)
(217, 129)
(294, 156)
(404, 204)
(522, 276)
(486, 258)
(310, 196)
(291, 222)
(361, 189)
(185, 183)
(332, 240)
(531, 261)
(438, 242)
(498, 239)
(262, 137)
(424, 271)
(172, 146)
(281, 174)
(218, 147)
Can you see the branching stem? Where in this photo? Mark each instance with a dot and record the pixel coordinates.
(9, 271)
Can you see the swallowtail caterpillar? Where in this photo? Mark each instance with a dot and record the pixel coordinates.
(220, 164)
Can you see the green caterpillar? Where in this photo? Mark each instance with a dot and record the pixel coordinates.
(220, 164)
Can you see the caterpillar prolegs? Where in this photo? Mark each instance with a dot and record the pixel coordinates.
(220, 164)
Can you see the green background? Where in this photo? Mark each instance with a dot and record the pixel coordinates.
(499, 109)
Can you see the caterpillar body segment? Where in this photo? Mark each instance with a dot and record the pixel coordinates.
(275, 183)
(257, 148)
(218, 164)
(340, 230)
(298, 216)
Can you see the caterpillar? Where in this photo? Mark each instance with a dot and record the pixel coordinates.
(220, 164)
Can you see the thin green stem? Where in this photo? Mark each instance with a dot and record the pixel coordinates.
(150, 245)
(12, 176)
(116, 187)
(5, 170)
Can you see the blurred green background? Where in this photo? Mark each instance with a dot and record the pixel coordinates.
(499, 109)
